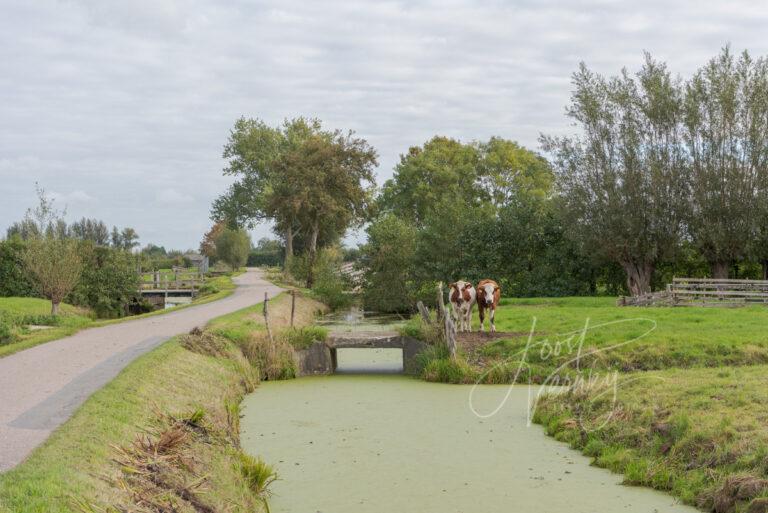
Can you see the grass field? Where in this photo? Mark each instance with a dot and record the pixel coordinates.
(585, 332)
(75, 471)
(18, 312)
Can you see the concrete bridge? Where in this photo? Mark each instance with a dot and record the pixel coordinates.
(321, 357)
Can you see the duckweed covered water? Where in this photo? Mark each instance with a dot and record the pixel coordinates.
(374, 444)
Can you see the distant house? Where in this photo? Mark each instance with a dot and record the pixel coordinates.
(198, 260)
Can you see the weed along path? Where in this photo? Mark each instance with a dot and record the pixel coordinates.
(42, 386)
(367, 444)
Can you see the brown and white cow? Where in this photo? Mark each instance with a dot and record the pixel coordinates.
(462, 295)
(488, 295)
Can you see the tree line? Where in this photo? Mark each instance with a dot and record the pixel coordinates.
(664, 176)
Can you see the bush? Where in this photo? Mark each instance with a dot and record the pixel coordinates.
(108, 282)
(330, 286)
(302, 338)
(13, 280)
(208, 288)
(6, 335)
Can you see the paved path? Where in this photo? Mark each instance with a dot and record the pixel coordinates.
(41, 387)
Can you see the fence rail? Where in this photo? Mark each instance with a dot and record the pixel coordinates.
(703, 292)
(163, 282)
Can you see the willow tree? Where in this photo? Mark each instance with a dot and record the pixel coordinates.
(623, 180)
(726, 122)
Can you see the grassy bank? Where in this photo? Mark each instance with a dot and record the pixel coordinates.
(620, 338)
(700, 434)
(20, 312)
(173, 413)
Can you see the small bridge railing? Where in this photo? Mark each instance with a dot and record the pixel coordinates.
(161, 282)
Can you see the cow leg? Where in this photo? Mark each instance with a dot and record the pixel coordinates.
(492, 316)
(469, 319)
(481, 312)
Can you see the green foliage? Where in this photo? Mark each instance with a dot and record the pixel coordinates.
(13, 280)
(624, 180)
(232, 247)
(388, 261)
(6, 335)
(108, 281)
(304, 337)
(257, 474)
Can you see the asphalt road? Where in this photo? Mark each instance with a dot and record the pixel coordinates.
(42, 386)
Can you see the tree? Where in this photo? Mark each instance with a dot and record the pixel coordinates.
(129, 239)
(726, 122)
(331, 179)
(232, 246)
(108, 281)
(13, 279)
(623, 182)
(90, 229)
(387, 260)
(54, 264)
(116, 238)
(508, 170)
(51, 259)
(208, 244)
(442, 171)
(261, 191)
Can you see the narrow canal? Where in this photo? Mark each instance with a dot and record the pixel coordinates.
(371, 443)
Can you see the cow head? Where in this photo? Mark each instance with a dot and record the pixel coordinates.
(460, 292)
(488, 293)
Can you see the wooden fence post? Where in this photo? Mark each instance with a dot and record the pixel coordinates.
(293, 305)
(448, 327)
(424, 311)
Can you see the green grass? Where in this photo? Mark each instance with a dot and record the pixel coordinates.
(700, 434)
(620, 338)
(20, 311)
(73, 319)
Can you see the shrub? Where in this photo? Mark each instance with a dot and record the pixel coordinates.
(208, 288)
(274, 360)
(302, 338)
(108, 281)
(6, 334)
(13, 281)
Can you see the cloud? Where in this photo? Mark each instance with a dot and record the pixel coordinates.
(71, 198)
(127, 100)
(173, 197)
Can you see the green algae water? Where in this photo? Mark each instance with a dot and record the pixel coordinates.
(374, 444)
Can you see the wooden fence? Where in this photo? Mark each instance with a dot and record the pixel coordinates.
(703, 292)
(163, 282)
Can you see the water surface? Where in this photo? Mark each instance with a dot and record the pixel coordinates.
(375, 444)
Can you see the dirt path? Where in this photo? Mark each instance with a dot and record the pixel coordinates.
(42, 386)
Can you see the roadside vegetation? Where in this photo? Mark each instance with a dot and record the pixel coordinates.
(26, 321)
(163, 436)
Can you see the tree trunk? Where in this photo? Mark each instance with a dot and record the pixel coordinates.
(312, 253)
(719, 270)
(764, 263)
(288, 249)
(55, 307)
(638, 277)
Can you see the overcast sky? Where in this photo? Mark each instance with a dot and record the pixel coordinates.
(120, 108)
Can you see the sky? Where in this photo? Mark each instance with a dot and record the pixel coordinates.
(120, 109)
